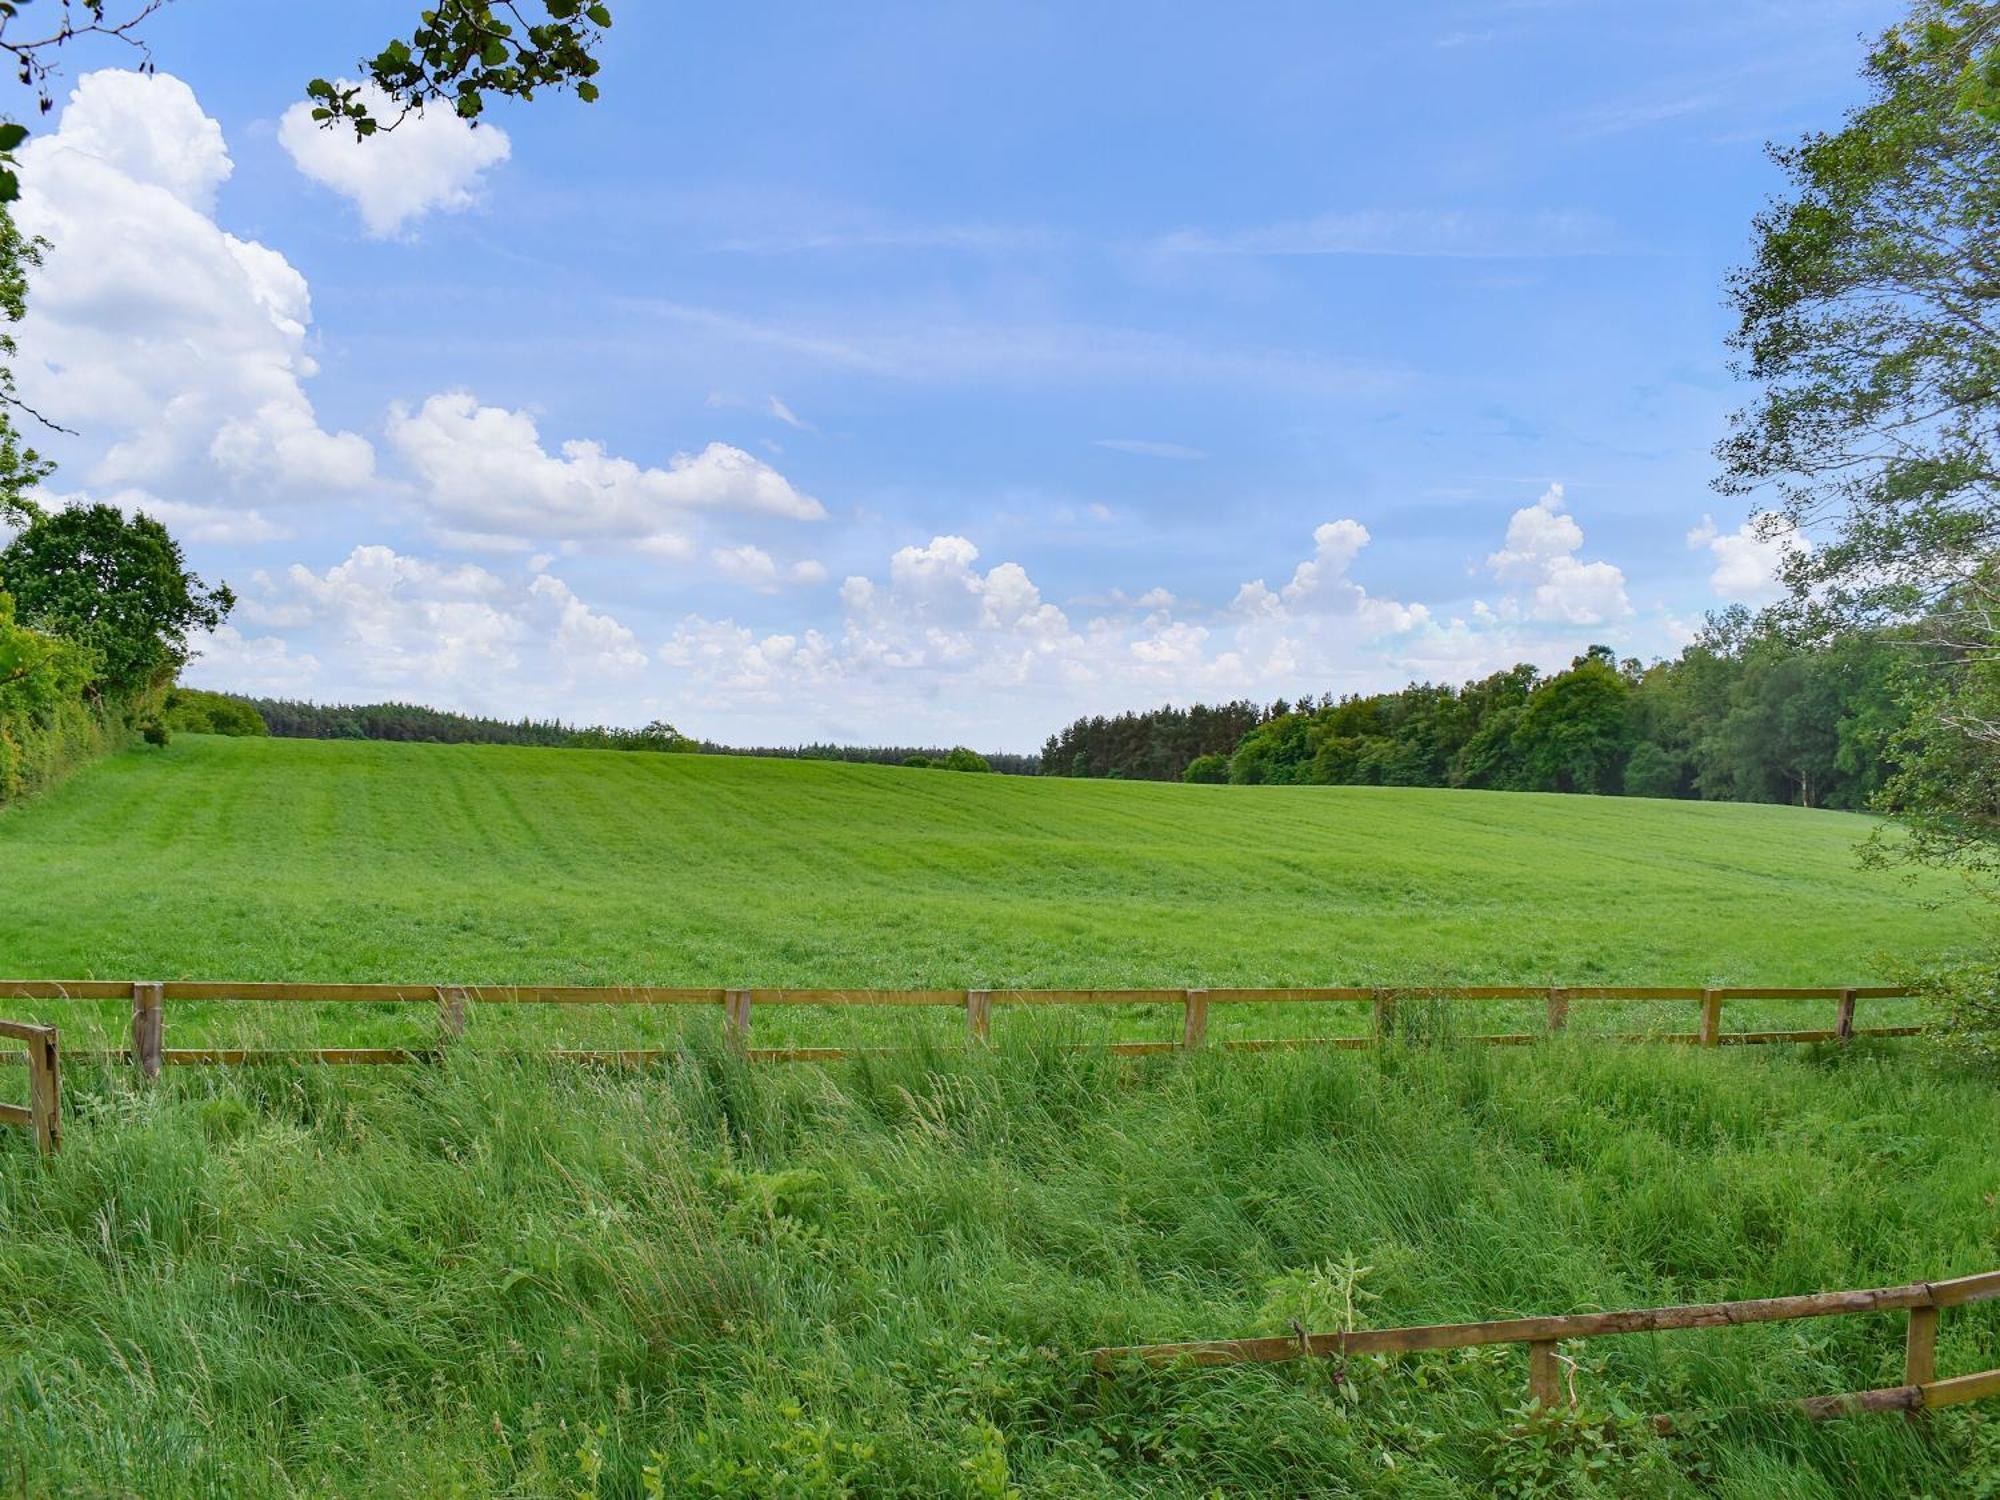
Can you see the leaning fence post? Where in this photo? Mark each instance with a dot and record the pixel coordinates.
(1558, 1007)
(451, 1011)
(1920, 1347)
(1711, 1018)
(979, 1015)
(148, 1025)
(1544, 1381)
(45, 1091)
(1194, 1021)
(1843, 1024)
(736, 1021)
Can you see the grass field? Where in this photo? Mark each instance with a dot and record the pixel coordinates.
(249, 859)
(877, 1278)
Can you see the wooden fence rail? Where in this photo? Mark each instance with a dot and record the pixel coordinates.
(41, 1116)
(455, 1003)
(1921, 1388)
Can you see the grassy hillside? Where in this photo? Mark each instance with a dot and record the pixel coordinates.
(291, 859)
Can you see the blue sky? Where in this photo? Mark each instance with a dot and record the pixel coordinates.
(945, 371)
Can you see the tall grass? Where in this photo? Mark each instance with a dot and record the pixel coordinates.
(879, 1278)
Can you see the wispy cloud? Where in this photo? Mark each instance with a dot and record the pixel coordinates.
(1062, 353)
(1405, 233)
(789, 417)
(1147, 449)
(1639, 115)
(981, 239)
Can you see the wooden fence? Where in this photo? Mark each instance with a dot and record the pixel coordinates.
(1921, 1389)
(41, 1116)
(454, 1005)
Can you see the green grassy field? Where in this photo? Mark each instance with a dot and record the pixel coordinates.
(878, 1278)
(250, 859)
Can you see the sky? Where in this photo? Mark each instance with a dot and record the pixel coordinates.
(903, 373)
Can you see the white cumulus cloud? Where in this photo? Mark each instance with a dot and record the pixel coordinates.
(486, 474)
(179, 349)
(432, 161)
(382, 623)
(1748, 561)
(1540, 554)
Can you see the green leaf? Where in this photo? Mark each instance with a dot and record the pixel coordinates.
(494, 53)
(10, 186)
(587, 92)
(600, 15)
(11, 136)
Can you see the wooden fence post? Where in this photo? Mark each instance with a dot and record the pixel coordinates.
(148, 1026)
(1544, 1380)
(1385, 1014)
(979, 1015)
(1711, 1018)
(451, 1012)
(1920, 1347)
(45, 1091)
(1843, 1024)
(1194, 1020)
(1558, 1007)
(736, 1021)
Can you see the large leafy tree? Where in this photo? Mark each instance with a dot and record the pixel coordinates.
(1576, 732)
(116, 585)
(1870, 321)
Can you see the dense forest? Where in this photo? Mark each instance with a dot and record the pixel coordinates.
(1739, 715)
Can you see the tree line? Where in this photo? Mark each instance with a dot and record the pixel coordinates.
(1741, 715)
(291, 718)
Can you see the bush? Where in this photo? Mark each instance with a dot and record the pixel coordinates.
(962, 759)
(46, 724)
(1962, 1013)
(1210, 769)
(919, 762)
(192, 711)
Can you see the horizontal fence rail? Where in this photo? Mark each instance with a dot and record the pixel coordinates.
(1922, 1300)
(455, 1002)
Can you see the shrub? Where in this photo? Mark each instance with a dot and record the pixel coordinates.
(1962, 1012)
(1211, 769)
(962, 759)
(46, 724)
(919, 762)
(193, 711)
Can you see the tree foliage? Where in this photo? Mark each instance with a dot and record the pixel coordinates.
(1743, 714)
(1870, 321)
(1158, 745)
(118, 587)
(461, 51)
